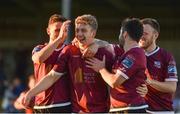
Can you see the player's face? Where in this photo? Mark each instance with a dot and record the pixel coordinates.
(54, 29)
(84, 34)
(148, 37)
(121, 38)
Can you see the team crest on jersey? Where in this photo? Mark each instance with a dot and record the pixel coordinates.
(127, 62)
(172, 69)
(157, 64)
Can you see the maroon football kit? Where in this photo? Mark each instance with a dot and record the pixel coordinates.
(131, 65)
(161, 67)
(58, 95)
(89, 90)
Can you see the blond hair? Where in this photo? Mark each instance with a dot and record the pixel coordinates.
(88, 20)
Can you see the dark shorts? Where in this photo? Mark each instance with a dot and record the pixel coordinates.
(64, 109)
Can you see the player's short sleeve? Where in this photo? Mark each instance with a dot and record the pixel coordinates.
(128, 66)
(37, 49)
(61, 65)
(118, 50)
(171, 69)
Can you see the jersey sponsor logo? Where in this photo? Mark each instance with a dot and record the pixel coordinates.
(89, 77)
(127, 62)
(172, 69)
(157, 64)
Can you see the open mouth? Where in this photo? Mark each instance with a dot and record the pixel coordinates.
(81, 39)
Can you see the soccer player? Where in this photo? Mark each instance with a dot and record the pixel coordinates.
(128, 71)
(162, 73)
(89, 92)
(57, 97)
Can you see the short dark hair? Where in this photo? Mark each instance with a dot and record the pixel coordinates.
(56, 18)
(152, 22)
(134, 28)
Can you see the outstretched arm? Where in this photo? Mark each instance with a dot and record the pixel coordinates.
(43, 54)
(42, 85)
(166, 87)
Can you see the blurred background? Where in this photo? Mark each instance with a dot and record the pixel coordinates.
(23, 25)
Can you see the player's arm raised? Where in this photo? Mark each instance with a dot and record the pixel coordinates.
(44, 53)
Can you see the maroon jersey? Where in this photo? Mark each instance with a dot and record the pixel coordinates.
(131, 65)
(161, 67)
(90, 92)
(118, 51)
(58, 94)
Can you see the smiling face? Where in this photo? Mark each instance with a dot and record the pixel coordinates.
(53, 30)
(84, 34)
(85, 30)
(149, 36)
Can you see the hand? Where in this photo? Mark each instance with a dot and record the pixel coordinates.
(74, 42)
(96, 64)
(64, 29)
(149, 81)
(18, 103)
(91, 50)
(142, 90)
(26, 100)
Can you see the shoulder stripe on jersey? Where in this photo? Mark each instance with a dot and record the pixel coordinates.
(118, 73)
(129, 108)
(52, 105)
(57, 73)
(171, 79)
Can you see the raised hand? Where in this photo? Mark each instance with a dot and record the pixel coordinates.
(64, 30)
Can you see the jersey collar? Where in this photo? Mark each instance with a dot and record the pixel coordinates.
(153, 52)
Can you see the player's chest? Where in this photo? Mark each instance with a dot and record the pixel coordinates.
(156, 68)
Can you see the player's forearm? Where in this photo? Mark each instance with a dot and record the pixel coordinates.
(108, 77)
(101, 43)
(166, 87)
(104, 44)
(42, 55)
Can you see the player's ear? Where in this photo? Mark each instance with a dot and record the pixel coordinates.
(48, 31)
(125, 34)
(156, 35)
(94, 33)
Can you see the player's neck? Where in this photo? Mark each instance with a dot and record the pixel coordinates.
(151, 48)
(83, 47)
(131, 44)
